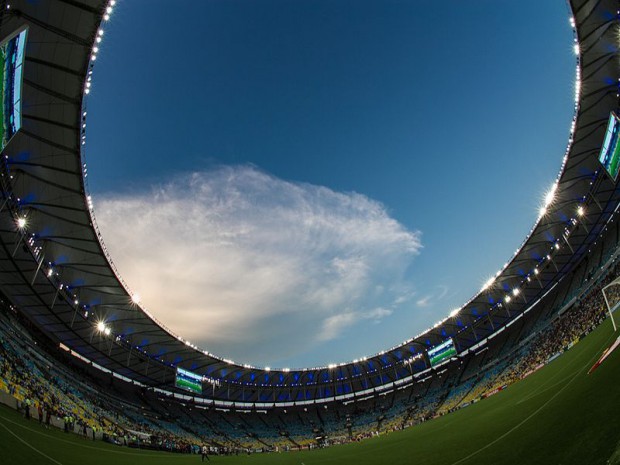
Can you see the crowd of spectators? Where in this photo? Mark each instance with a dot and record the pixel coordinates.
(54, 395)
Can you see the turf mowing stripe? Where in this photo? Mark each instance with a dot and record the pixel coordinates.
(30, 445)
(531, 415)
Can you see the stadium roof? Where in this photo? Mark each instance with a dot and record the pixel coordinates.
(55, 269)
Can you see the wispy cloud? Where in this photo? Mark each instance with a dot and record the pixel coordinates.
(424, 301)
(249, 266)
(439, 294)
(333, 325)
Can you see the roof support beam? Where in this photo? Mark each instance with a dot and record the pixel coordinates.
(53, 29)
(55, 66)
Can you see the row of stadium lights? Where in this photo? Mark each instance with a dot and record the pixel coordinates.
(507, 298)
(105, 329)
(516, 291)
(87, 88)
(101, 325)
(22, 225)
(93, 57)
(548, 201)
(549, 197)
(135, 298)
(49, 271)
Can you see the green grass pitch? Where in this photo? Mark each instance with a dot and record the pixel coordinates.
(558, 415)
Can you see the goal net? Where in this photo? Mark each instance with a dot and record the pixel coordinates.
(611, 294)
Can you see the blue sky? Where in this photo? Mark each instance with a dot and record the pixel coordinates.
(320, 180)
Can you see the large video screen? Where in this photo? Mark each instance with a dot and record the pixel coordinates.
(610, 151)
(12, 53)
(442, 352)
(189, 381)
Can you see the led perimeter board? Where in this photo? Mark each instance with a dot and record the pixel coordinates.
(12, 53)
(189, 381)
(610, 151)
(443, 351)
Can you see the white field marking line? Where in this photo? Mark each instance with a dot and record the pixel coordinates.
(540, 390)
(30, 445)
(499, 438)
(543, 387)
(41, 433)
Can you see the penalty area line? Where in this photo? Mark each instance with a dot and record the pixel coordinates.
(27, 444)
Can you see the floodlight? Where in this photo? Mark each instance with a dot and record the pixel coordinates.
(550, 196)
(488, 284)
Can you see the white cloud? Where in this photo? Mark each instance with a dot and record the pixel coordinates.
(249, 266)
(424, 301)
(334, 325)
(442, 291)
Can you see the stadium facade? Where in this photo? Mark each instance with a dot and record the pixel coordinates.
(55, 270)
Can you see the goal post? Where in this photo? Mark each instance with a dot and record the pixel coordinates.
(612, 291)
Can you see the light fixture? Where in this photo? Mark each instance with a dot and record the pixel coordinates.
(488, 284)
(550, 196)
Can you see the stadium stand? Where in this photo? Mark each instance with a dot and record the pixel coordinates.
(70, 354)
(79, 398)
